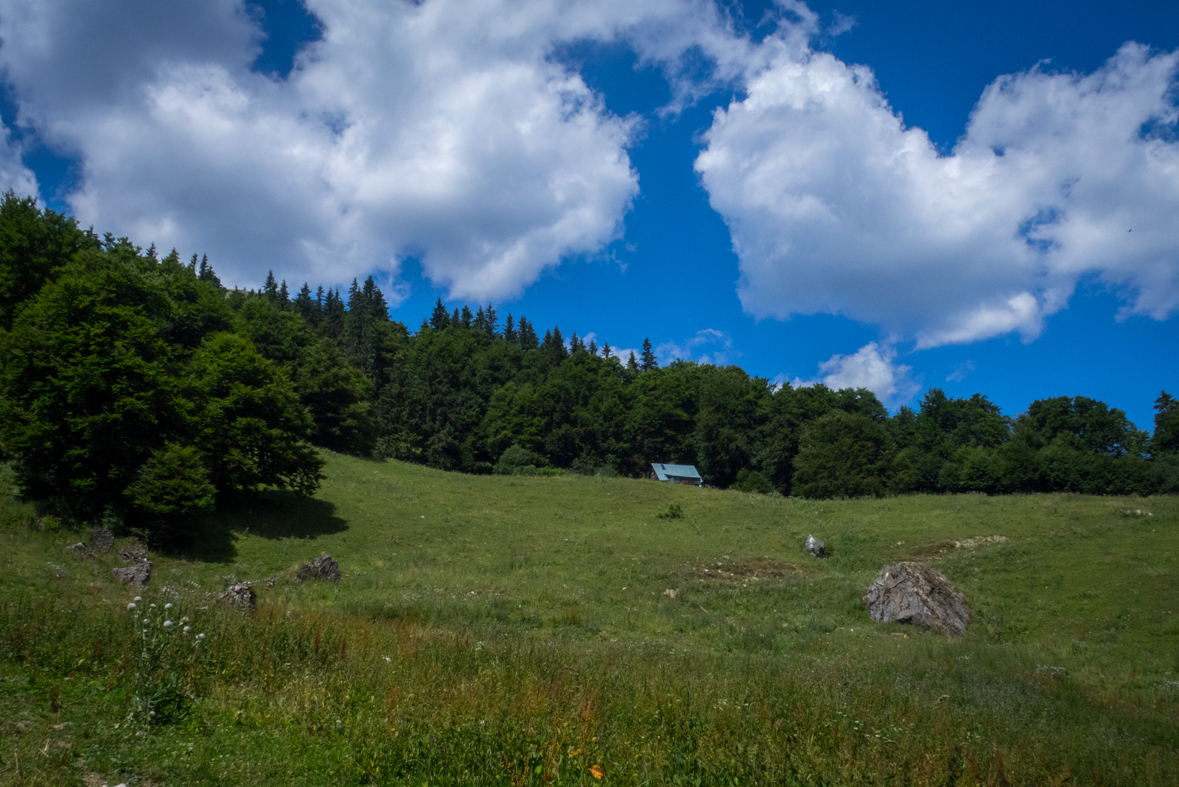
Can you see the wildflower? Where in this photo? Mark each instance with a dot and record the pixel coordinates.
(168, 606)
(131, 605)
(184, 619)
(200, 636)
(187, 629)
(153, 606)
(167, 624)
(597, 771)
(146, 621)
(139, 598)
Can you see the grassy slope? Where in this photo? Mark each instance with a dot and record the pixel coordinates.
(524, 623)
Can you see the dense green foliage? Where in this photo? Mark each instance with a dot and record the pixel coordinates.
(111, 353)
(509, 630)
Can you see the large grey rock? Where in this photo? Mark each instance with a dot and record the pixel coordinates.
(914, 593)
(136, 575)
(101, 539)
(816, 547)
(240, 595)
(323, 567)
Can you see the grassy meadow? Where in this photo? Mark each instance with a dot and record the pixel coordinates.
(531, 630)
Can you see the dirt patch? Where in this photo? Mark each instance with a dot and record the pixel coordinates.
(935, 549)
(727, 570)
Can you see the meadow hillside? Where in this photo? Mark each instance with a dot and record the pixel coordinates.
(536, 630)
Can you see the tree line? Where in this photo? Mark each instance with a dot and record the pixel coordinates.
(138, 384)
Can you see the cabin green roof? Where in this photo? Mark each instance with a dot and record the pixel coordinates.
(664, 471)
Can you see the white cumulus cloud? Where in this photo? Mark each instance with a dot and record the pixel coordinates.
(874, 367)
(836, 206)
(442, 129)
(708, 346)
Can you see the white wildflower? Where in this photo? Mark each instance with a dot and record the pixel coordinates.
(139, 598)
(187, 629)
(167, 606)
(131, 605)
(167, 624)
(200, 636)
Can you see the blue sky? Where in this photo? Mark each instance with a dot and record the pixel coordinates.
(899, 195)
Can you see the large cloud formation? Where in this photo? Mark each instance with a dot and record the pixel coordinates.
(443, 129)
(835, 206)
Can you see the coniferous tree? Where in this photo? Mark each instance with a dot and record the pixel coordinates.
(480, 320)
(192, 263)
(305, 305)
(319, 299)
(439, 318)
(607, 351)
(558, 351)
(528, 339)
(467, 318)
(593, 348)
(631, 363)
(270, 288)
(455, 320)
(333, 314)
(206, 272)
(649, 363)
(491, 320)
(510, 330)
(284, 295)
(576, 345)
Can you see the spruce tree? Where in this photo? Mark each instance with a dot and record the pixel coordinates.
(439, 318)
(467, 317)
(192, 263)
(270, 287)
(480, 320)
(528, 340)
(576, 345)
(607, 352)
(510, 330)
(593, 348)
(305, 306)
(559, 351)
(491, 324)
(284, 295)
(631, 363)
(648, 363)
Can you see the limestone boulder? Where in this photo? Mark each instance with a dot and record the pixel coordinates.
(323, 567)
(909, 592)
(240, 596)
(101, 539)
(816, 547)
(137, 575)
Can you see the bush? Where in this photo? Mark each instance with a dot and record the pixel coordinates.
(752, 481)
(172, 488)
(517, 460)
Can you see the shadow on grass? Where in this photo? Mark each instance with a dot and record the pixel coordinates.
(272, 515)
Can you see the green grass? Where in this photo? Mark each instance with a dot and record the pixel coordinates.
(519, 630)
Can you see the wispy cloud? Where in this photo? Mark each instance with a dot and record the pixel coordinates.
(707, 346)
(874, 367)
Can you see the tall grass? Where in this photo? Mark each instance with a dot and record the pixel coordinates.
(464, 659)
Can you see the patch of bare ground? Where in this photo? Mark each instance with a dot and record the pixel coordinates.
(727, 570)
(935, 549)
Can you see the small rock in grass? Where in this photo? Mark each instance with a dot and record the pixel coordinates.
(136, 575)
(241, 596)
(81, 550)
(909, 592)
(134, 552)
(101, 539)
(816, 547)
(323, 567)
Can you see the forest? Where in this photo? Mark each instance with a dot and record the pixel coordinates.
(137, 386)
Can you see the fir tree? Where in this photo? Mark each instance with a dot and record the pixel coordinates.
(439, 318)
(491, 320)
(305, 306)
(559, 351)
(206, 272)
(607, 352)
(576, 345)
(270, 288)
(467, 317)
(192, 264)
(510, 330)
(593, 348)
(284, 295)
(454, 318)
(480, 320)
(649, 363)
(528, 339)
(631, 363)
